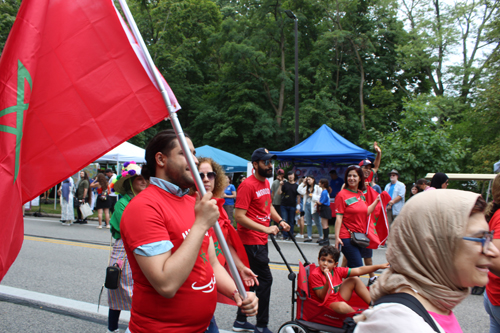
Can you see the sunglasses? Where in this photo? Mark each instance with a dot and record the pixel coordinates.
(209, 175)
(485, 240)
(266, 163)
(354, 165)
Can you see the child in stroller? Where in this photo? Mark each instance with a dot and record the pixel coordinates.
(333, 286)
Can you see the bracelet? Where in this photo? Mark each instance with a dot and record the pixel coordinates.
(282, 221)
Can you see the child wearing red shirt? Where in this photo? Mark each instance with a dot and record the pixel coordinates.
(333, 286)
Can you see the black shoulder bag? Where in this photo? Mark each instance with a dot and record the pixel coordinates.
(359, 239)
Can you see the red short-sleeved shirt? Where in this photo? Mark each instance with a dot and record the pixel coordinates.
(352, 205)
(156, 215)
(254, 196)
(493, 286)
(317, 280)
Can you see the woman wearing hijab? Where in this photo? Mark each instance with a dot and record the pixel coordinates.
(66, 194)
(438, 181)
(129, 183)
(439, 247)
(492, 294)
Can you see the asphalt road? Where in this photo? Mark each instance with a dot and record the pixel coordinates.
(54, 284)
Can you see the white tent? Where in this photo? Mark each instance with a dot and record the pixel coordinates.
(496, 167)
(125, 152)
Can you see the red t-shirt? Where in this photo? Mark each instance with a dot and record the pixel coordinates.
(156, 215)
(254, 196)
(493, 286)
(317, 280)
(352, 205)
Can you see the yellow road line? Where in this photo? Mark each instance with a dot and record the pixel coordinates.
(62, 242)
(276, 267)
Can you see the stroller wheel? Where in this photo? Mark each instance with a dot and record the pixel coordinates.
(292, 327)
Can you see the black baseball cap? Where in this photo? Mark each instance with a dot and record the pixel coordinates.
(262, 154)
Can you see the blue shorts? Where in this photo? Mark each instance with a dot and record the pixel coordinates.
(355, 254)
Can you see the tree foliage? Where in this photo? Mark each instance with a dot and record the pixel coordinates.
(420, 77)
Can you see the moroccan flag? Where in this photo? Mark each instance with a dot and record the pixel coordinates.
(72, 86)
(302, 284)
(378, 227)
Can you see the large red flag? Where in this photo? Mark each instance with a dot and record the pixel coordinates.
(378, 227)
(72, 87)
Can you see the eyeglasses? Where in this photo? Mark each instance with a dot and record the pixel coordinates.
(209, 175)
(485, 240)
(266, 163)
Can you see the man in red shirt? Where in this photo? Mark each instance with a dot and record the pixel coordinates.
(253, 213)
(173, 261)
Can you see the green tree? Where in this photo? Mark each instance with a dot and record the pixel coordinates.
(421, 144)
(8, 12)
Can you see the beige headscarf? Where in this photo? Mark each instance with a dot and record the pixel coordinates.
(422, 245)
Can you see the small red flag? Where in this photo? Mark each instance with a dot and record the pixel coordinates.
(72, 86)
(378, 227)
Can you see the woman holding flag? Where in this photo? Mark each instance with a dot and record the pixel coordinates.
(352, 212)
(214, 179)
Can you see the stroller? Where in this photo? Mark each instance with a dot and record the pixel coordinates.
(310, 316)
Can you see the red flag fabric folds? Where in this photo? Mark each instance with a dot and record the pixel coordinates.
(378, 227)
(72, 87)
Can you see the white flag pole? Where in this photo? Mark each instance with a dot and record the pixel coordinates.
(182, 140)
(385, 218)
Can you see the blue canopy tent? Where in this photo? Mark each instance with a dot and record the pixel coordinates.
(325, 145)
(230, 162)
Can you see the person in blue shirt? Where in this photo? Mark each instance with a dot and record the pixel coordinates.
(229, 195)
(335, 183)
(325, 211)
(397, 191)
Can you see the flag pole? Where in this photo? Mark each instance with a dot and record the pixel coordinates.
(182, 140)
(385, 216)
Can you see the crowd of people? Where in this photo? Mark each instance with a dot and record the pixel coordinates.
(170, 257)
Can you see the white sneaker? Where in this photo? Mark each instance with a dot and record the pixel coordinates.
(99, 227)
(299, 236)
(115, 331)
(108, 226)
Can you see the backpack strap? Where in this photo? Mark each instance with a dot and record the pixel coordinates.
(410, 302)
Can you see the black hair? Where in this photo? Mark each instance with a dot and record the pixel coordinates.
(422, 181)
(438, 180)
(162, 142)
(145, 172)
(108, 170)
(325, 183)
(310, 188)
(333, 171)
(329, 250)
(361, 184)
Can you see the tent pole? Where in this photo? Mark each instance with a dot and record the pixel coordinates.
(183, 142)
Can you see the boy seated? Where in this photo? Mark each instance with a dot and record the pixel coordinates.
(341, 290)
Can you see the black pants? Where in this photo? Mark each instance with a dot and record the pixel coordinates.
(278, 210)
(76, 205)
(258, 257)
(112, 200)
